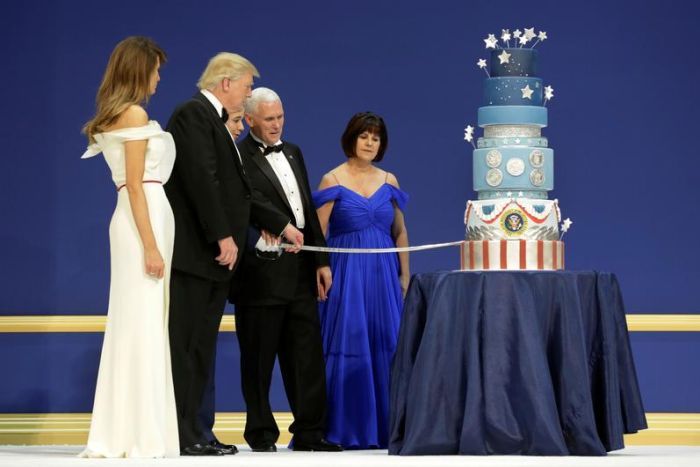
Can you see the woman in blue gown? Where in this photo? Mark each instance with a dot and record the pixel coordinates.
(360, 206)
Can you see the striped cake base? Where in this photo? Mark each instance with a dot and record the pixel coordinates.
(512, 255)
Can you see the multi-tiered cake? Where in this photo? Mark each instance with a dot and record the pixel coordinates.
(513, 225)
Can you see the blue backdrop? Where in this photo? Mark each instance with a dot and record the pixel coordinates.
(623, 124)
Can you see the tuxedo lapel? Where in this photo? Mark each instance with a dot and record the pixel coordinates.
(223, 133)
(258, 159)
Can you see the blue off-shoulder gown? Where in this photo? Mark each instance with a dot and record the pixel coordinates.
(360, 319)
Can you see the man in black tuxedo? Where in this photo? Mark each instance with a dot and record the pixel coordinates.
(275, 296)
(213, 203)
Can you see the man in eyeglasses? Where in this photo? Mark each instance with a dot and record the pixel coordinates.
(275, 293)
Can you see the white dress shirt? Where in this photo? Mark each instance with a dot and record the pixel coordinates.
(285, 175)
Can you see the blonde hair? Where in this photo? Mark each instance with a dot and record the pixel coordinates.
(225, 65)
(126, 81)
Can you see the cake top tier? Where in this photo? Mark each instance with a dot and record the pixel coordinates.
(513, 62)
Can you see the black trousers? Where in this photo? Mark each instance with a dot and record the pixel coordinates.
(196, 307)
(290, 331)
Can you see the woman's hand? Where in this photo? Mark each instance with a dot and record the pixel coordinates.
(405, 279)
(155, 266)
(324, 280)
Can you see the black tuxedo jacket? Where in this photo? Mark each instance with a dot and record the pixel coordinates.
(260, 281)
(209, 191)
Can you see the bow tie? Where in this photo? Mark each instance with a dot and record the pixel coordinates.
(271, 149)
(224, 115)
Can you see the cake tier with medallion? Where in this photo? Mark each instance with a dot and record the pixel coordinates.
(513, 225)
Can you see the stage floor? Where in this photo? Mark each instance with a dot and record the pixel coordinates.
(60, 456)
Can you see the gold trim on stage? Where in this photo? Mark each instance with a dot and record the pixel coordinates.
(72, 428)
(656, 323)
(677, 429)
(96, 323)
(73, 323)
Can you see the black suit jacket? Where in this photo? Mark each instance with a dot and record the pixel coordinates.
(209, 191)
(262, 281)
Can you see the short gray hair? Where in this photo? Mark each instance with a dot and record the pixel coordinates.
(260, 95)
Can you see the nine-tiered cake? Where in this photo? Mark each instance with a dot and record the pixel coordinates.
(513, 226)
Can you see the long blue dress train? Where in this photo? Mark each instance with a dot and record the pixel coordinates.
(360, 319)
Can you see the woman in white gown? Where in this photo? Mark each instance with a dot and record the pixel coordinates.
(134, 409)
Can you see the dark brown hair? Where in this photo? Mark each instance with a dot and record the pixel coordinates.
(358, 124)
(126, 81)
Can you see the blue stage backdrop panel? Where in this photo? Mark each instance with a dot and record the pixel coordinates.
(622, 124)
(57, 372)
(667, 368)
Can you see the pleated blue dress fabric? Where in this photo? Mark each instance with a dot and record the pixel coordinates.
(360, 319)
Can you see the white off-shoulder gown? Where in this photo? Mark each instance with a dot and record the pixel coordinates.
(134, 411)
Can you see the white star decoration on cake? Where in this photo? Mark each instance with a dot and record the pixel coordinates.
(565, 227)
(541, 36)
(548, 92)
(482, 64)
(530, 33)
(517, 33)
(469, 133)
(491, 41)
(504, 57)
(527, 92)
(505, 35)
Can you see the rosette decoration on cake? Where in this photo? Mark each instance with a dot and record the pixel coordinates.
(512, 225)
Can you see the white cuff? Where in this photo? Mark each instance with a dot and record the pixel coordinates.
(260, 245)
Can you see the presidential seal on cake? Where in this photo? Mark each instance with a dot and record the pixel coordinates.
(513, 225)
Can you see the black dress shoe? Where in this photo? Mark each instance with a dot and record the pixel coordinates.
(200, 450)
(320, 445)
(264, 447)
(225, 448)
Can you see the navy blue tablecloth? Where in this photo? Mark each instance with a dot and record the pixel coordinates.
(535, 363)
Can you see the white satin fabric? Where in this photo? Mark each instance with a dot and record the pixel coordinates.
(134, 411)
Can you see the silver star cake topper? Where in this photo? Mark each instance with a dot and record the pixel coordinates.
(541, 37)
(469, 135)
(548, 94)
(530, 33)
(565, 227)
(505, 36)
(482, 64)
(491, 41)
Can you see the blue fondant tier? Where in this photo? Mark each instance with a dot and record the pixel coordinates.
(521, 62)
(513, 169)
(540, 142)
(512, 115)
(513, 90)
